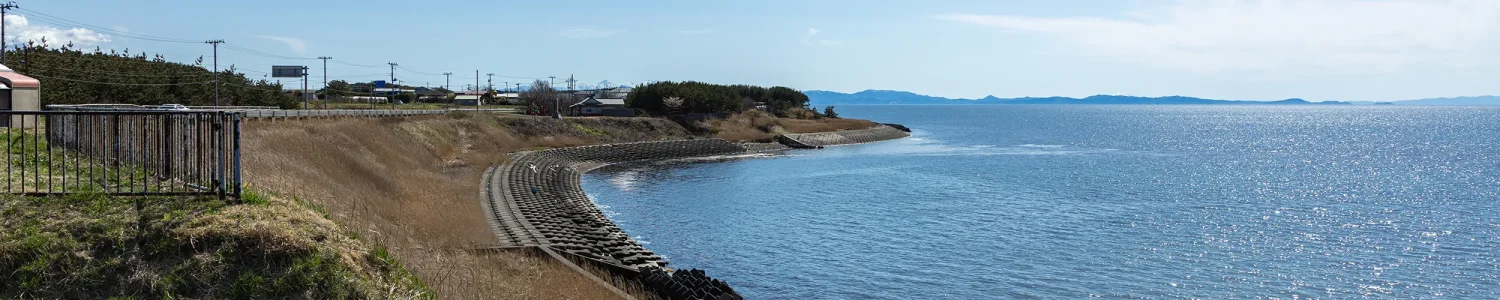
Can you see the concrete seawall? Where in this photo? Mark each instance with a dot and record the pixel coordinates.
(536, 199)
(845, 137)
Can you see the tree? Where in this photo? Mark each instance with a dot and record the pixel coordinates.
(73, 77)
(406, 97)
(337, 89)
(829, 113)
(780, 100)
(672, 105)
(543, 99)
(697, 97)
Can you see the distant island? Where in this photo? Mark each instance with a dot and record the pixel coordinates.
(825, 98)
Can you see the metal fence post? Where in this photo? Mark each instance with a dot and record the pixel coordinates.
(238, 184)
(216, 140)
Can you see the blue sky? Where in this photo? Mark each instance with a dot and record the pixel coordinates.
(1227, 49)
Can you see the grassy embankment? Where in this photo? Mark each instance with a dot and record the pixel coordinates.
(413, 184)
(91, 245)
(367, 194)
(759, 126)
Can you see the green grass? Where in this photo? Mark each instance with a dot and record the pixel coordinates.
(29, 163)
(589, 131)
(87, 245)
(92, 245)
(95, 246)
(254, 197)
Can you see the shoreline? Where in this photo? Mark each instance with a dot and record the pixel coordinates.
(536, 199)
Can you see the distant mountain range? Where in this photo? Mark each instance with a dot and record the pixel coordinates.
(825, 98)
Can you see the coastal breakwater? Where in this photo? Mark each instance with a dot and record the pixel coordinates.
(536, 199)
(844, 137)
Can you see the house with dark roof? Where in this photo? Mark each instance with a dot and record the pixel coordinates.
(613, 107)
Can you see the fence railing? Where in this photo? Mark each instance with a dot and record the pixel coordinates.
(122, 152)
(268, 112)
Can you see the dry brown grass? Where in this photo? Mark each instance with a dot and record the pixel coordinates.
(504, 275)
(752, 125)
(412, 184)
(822, 125)
(758, 126)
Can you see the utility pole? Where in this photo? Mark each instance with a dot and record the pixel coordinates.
(556, 110)
(447, 77)
(490, 81)
(393, 72)
(305, 106)
(3, 7)
(570, 82)
(480, 100)
(215, 69)
(325, 80)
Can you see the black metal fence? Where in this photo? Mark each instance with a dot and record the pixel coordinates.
(122, 152)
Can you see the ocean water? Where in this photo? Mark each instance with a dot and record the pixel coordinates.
(986, 202)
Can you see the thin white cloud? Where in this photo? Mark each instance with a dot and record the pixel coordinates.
(587, 33)
(811, 39)
(20, 30)
(1279, 35)
(297, 45)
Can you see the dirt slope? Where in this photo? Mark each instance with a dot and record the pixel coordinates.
(413, 184)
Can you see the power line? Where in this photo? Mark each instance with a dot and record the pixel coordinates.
(418, 72)
(518, 77)
(242, 49)
(358, 75)
(117, 83)
(205, 71)
(254, 88)
(248, 70)
(3, 9)
(100, 55)
(182, 74)
(356, 65)
(54, 20)
(93, 57)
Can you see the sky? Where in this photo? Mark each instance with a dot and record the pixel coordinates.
(1375, 50)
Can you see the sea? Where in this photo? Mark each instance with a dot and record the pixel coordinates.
(1092, 201)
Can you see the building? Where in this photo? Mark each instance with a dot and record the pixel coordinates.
(431, 95)
(393, 91)
(508, 97)
(468, 99)
(19, 92)
(602, 107)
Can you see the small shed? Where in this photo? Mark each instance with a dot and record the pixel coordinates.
(19, 92)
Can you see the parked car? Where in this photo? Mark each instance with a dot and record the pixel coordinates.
(172, 107)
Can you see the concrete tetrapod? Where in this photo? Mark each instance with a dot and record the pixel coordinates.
(536, 199)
